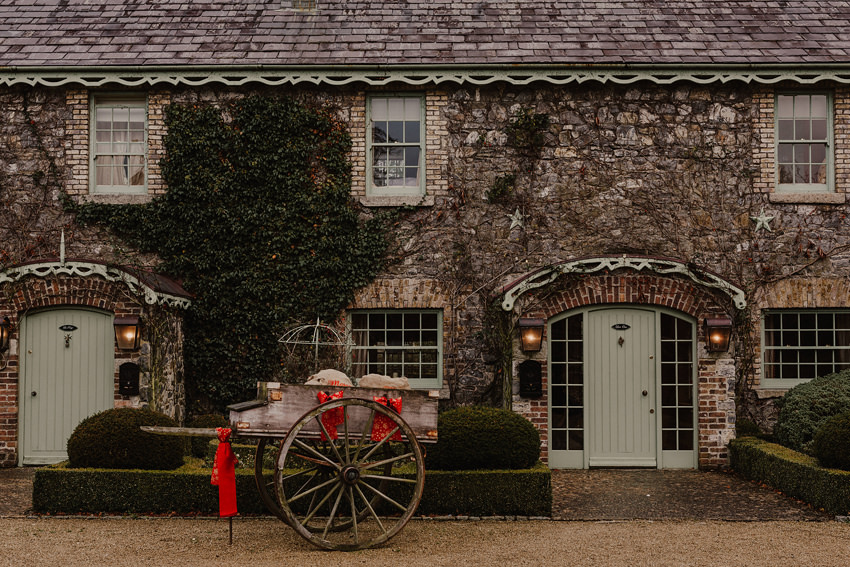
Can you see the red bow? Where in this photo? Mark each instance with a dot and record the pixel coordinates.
(382, 425)
(224, 474)
(331, 418)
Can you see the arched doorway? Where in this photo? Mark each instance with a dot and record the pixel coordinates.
(622, 388)
(67, 374)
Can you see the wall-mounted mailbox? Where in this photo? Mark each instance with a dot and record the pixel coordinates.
(530, 379)
(128, 379)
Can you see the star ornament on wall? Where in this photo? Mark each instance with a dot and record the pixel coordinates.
(517, 219)
(763, 221)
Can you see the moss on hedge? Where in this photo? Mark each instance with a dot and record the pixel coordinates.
(796, 474)
(188, 490)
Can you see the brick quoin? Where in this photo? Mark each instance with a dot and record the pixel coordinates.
(715, 427)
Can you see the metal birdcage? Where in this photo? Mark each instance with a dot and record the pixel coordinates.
(315, 335)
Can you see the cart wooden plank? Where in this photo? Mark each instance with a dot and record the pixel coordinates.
(286, 403)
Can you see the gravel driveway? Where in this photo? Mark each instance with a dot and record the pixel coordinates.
(261, 542)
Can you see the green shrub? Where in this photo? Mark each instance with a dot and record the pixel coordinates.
(747, 428)
(831, 444)
(805, 407)
(59, 490)
(199, 445)
(112, 439)
(475, 438)
(793, 473)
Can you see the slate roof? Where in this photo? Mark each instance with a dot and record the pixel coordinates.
(431, 32)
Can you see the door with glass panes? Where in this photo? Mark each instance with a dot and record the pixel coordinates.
(622, 389)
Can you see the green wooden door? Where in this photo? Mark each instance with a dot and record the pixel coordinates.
(621, 384)
(67, 375)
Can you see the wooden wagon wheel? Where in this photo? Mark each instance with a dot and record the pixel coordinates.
(264, 487)
(354, 492)
(268, 494)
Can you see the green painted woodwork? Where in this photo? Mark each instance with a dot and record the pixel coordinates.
(620, 368)
(67, 375)
(395, 145)
(118, 144)
(419, 75)
(628, 403)
(803, 159)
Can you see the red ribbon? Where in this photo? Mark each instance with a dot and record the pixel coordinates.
(224, 474)
(331, 418)
(382, 425)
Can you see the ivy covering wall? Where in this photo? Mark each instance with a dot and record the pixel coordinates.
(258, 223)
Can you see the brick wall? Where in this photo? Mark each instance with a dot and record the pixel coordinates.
(96, 293)
(715, 402)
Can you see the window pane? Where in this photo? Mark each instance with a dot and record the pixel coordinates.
(786, 174)
(559, 331)
(411, 132)
(819, 129)
(411, 109)
(668, 328)
(785, 106)
(801, 105)
(395, 132)
(802, 174)
(395, 109)
(802, 130)
(786, 130)
(559, 396)
(379, 132)
(818, 109)
(559, 374)
(379, 109)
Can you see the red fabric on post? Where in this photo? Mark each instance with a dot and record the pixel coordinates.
(224, 474)
(332, 418)
(382, 425)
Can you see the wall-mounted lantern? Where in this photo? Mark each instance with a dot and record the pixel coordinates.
(530, 333)
(127, 333)
(5, 333)
(717, 334)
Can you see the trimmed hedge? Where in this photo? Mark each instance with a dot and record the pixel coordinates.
(59, 490)
(796, 474)
(483, 438)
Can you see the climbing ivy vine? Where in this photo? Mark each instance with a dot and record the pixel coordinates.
(259, 224)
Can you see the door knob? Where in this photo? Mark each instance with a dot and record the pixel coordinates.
(34, 394)
(645, 393)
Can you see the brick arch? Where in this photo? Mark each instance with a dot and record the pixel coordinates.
(37, 293)
(627, 288)
(715, 373)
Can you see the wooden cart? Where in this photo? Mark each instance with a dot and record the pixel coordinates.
(349, 472)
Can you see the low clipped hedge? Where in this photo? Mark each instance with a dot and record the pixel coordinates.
(61, 490)
(795, 474)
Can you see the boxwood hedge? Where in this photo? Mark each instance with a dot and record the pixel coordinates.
(60, 490)
(796, 474)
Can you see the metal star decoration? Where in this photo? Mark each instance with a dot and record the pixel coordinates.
(517, 219)
(762, 221)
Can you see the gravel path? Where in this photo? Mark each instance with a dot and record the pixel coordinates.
(265, 542)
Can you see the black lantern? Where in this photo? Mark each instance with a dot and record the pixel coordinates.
(127, 333)
(531, 334)
(717, 334)
(5, 333)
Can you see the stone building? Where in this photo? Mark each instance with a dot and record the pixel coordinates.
(654, 191)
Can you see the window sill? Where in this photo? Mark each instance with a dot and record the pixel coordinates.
(115, 198)
(398, 201)
(766, 393)
(809, 198)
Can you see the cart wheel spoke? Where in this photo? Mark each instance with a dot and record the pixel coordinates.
(361, 492)
(384, 496)
(371, 510)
